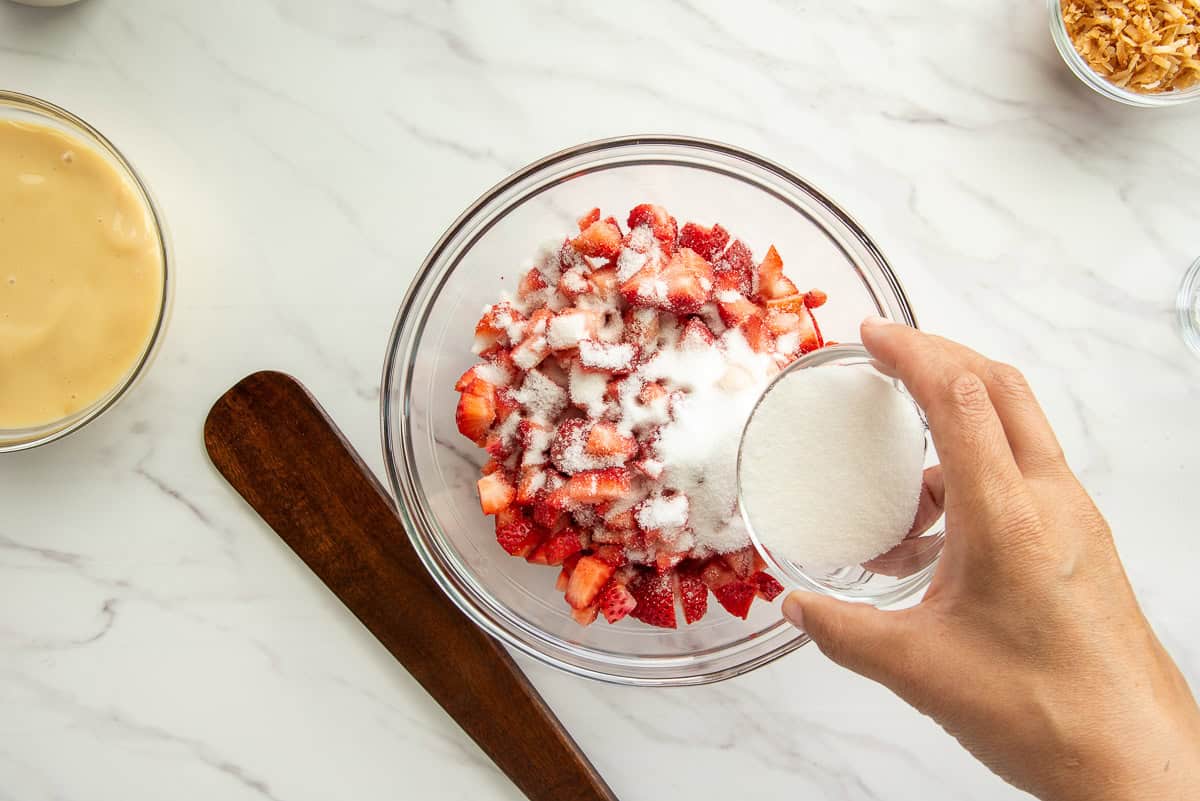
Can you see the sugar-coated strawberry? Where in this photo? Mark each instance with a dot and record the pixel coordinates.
(766, 586)
(661, 224)
(601, 239)
(757, 335)
(496, 492)
(737, 597)
(734, 270)
(605, 439)
(532, 281)
(613, 554)
(665, 561)
(492, 466)
(587, 219)
(530, 483)
(587, 579)
(621, 521)
(735, 308)
(519, 537)
(655, 596)
(595, 487)
(586, 616)
(616, 601)
(708, 242)
(557, 547)
(603, 282)
(642, 328)
(815, 298)
(696, 335)
(689, 282)
(693, 596)
(651, 392)
(742, 563)
(476, 410)
(772, 283)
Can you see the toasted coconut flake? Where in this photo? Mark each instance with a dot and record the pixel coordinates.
(1148, 46)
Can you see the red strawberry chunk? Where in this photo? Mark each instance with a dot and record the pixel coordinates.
(616, 601)
(742, 563)
(735, 308)
(613, 554)
(655, 596)
(587, 219)
(532, 281)
(651, 392)
(533, 479)
(603, 281)
(585, 616)
(557, 547)
(708, 242)
(736, 597)
(815, 298)
(496, 492)
(758, 336)
(693, 597)
(772, 283)
(696, 335)
(519, 537)
(592, 487)
(600, 239)
(476, 410)
(564, 577)
(587, 579)
(662, 224)
(491, 467)
(766, 586)
(606, 440)
(689, 282)
(735, 269)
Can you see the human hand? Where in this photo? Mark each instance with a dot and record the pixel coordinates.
(1029, 646)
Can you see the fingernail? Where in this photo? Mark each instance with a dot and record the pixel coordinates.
(875, 320)
(793, 611)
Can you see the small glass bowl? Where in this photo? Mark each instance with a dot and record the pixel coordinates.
(887, 580)
(432, 468)
(20, 107)
(1103, 86)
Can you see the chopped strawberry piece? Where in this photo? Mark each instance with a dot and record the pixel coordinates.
(476, 410)
(587, 579)
(735, 269)
(757, 335)
(519, 538)
(586, 616)
(613, 554)
(601, 239)
(616, 601)
(696, 335)
(689, 282)
(661, 224)
(772, 283)
(604, 281)
(650, 468)
(557, 547)
(717, 574)
(664, 561)
(655, 596)
(532, 281)
(735, 308)
(708, 242)
(736, 597)
(533, 478)
(605, 440)
(613, 357)
(742, 563)
(491, 467)
(651, 392)
(766, 586)
(496, 492)
(642, 328)
(593, 487)
(644, 288)
(623, 521)
(693, 597)
(789, 303)
(815, 298)
(570, 562)
(587, 219)
(571, 326)
(560, 583)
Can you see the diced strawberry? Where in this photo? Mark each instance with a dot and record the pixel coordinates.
(600, 239)
(696, 335)
(605, 440)
(644, 288)
(496, 492)
(791, 315)
(587, 219)
(510, 515)
(496, 447)
(757, 335)
(519, 538)
(593, 487)
(616, 601)
(612, 390)
(586, 616)
(735, 308)
(570, 326)
(611, 357)
(662, 224)
(708, 242)
(533, 479)
(815, 298)
(573, 283)
(476, 410)
(717, 574)
(650, 468)
(641, 328)
(531, 282)
(506, 403)
(529, 354)
(655, 596)
(491, 467)
(613, 554)
(623, 521)
(587, 579)
(651, 392)
(557, 547)
(604, 281)
(766, 586)
(789, 303)
(742, 563)
(689, 280)
(693, 596)
(564, 577)
(734, 270)
(569, 563)
(772, 283)
(466, 378)
(782, 322)
(736, 597)
(664, 560)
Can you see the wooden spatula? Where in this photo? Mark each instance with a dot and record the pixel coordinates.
(280, 450)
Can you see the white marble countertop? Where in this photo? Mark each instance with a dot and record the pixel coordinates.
(157, 641)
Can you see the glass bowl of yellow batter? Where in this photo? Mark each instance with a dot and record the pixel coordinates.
(85, 273)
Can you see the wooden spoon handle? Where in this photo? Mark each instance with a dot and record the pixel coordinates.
(280, 450)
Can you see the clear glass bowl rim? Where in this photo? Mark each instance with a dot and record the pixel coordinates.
(395, 383)
(1102, 86)
(26, 439)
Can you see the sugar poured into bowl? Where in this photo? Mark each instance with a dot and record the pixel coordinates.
(831, 466)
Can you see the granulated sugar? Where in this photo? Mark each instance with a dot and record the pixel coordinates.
(832, 466)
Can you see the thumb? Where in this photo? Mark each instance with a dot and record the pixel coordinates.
(869, 641)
